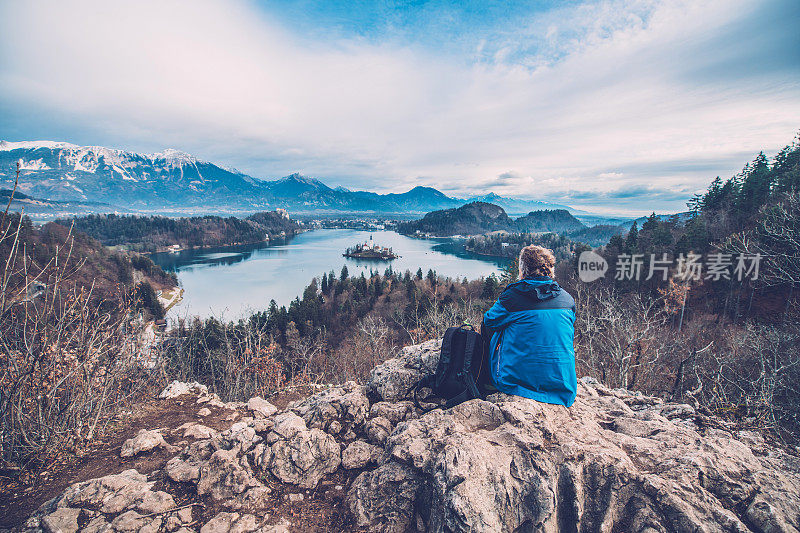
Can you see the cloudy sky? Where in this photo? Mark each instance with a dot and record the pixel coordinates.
(614, 106)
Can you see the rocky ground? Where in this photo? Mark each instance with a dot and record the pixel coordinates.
(353, 457)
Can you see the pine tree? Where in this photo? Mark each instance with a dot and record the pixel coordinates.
(632, 239)
(431, 277)
(490, 286)
(651, 223)
(756, 187)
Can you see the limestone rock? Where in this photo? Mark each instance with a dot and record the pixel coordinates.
(199, 431)
(131, 521)
(304, 458)
(360, 454)
(614, 461)
(384, 499)
(287, 425)
(378, 429)
(224, 477)
(179, 388)
(261, 406)
(230, 523)
(204, 412)
(345, 407)
(282, 527)
(63, 520)
(241, 434)
(393, 380)
(185, 515)
(97, 525)
(510, 464)
(109, 494)
(153, 502)
(144, 441)
(393, 412)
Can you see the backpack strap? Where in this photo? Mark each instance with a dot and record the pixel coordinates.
(444, 355)
(427, 381)
(470, 393)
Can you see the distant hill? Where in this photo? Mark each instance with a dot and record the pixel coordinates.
(107, 274)
(471, 219)
(172, 181)
(152, 233)
(480, 217)
(555, 220)
(518, 206)
(596, 235)
(680, 218)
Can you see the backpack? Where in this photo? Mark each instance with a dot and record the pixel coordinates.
(463, 369)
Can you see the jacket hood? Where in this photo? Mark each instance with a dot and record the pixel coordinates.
(538, 288)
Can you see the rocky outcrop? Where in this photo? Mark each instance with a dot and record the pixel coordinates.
(614, 461)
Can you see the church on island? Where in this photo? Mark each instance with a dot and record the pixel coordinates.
(370, 251)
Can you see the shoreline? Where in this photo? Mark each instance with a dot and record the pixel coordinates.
(215, 245)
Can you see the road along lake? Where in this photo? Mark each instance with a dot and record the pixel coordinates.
(228, 282)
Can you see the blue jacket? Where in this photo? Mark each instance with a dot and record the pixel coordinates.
(533, 326)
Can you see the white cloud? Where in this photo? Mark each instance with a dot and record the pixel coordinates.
(222, 80)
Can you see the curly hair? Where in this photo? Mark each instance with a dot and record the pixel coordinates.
(536, 261)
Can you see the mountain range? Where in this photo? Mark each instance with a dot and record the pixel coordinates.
(174, 180)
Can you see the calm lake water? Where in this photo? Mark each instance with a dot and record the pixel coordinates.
(233, 280)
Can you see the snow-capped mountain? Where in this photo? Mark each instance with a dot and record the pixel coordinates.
(64, 171)
(174, 180)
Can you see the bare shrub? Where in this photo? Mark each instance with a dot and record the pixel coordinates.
(66, 363)
(237, 361)
(750, 374)
(619, 339)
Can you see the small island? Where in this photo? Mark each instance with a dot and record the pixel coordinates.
(367, 251)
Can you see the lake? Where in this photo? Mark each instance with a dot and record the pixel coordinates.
(233, 280)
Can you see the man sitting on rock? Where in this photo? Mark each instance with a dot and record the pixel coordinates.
(532, 326)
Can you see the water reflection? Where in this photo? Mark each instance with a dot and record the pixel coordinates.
(235, 279)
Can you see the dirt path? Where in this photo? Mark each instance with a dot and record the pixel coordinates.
(18, 500)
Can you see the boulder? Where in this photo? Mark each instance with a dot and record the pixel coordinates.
(378, 429)
(97, 525)
(199, 431)
(393, 380)
(615, 460)
(224, 476)
(261, 406)
(304, 458)
(385, 499)
(63, 520)
(131, 521)
(144, 441)
(336, 409)
(359, 454)
(394, 412)
(109, 494)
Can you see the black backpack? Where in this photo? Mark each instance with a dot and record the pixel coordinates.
(463, 369)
